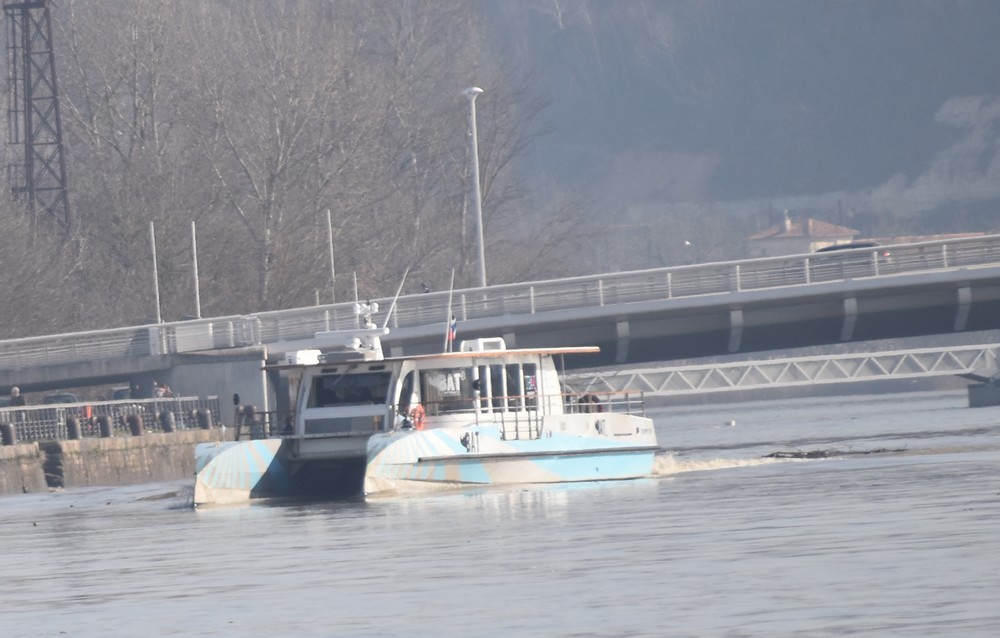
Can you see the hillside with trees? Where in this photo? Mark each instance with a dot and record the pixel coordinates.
(612, 135)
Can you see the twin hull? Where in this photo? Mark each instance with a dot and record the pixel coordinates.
(612, 446)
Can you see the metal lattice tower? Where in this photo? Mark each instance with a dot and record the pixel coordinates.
(37, 169)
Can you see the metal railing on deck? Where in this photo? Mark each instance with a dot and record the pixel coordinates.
(517, 425)
(623, 402)
(251, 424)
(109, 418)
(517, 415)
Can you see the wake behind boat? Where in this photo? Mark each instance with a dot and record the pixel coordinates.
(483, 415)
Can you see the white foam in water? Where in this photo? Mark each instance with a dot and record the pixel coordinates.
(666, 464)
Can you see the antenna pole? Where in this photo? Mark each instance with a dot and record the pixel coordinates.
(396, 298)
(447, 318)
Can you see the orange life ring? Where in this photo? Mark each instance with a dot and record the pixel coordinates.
(418, 417)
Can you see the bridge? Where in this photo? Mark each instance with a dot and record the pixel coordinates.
(679, 380)
(637, 317)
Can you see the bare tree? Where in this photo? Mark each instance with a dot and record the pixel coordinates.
(40, 280)
(253, 119)
(128, 154)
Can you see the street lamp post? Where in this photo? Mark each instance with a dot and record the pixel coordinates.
(156, 274)
(194, 259)
(333, 271)
(471, 93)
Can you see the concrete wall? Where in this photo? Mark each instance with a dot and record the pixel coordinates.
(149, 458)
(222, 375)
(984, 395)
(21, 469)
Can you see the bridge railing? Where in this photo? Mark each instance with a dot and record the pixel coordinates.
(508, 299)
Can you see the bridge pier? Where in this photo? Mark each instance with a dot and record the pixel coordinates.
(850, 318)
(735, 329)
(964, 305)
(621, 347)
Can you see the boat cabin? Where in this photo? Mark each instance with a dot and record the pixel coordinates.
(481, 383)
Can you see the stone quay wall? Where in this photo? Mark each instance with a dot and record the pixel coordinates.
(114, 461)
(21, 469)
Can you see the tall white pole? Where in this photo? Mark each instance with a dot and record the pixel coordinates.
(448, 345)
(471, 93)
(333, 272)
(156, 274)
(197, 284)
(357, 317)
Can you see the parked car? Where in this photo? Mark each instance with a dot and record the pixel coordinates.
(121, 393)
(57, 400)
(60, 397)
(883, 253)
(855, 259)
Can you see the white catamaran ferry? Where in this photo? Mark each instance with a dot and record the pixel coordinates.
(482, 415)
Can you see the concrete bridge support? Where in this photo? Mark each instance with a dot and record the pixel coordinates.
(226, 374)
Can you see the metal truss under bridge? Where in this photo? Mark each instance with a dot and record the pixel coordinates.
(798, 371)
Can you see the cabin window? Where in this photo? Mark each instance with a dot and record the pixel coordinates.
(522, 383)
(496, 388)
(499, 390)
(505, 388)
(446, 390)
(490, 386)
(406, 393)
(333, 390)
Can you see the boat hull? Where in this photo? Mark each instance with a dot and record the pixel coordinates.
(572, 448)
(237, 472)
(416, 461)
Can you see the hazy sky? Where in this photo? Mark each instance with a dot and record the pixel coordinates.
(886, 105)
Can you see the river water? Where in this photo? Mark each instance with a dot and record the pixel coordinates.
(896, 533)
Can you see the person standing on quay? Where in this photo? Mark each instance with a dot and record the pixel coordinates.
(17, 400)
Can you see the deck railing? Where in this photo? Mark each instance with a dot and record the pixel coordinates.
(623, 402)
(517, 415)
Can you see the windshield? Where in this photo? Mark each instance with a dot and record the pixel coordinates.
(365, 388)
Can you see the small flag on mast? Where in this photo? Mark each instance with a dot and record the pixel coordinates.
(453, 328)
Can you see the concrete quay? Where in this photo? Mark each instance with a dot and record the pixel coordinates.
(115, 461)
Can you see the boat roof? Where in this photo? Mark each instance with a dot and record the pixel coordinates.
(445, 356)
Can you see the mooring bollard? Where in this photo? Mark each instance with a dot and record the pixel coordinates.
(238, 421)
(8, 434)
(250, 418)
(104, 425)
(134, 424)
(73, 430)
(167, 421)
(203, 418)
